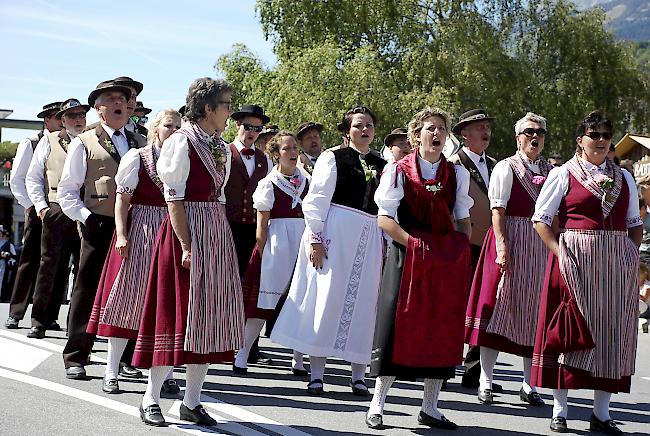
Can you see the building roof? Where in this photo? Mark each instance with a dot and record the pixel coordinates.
(629, 141)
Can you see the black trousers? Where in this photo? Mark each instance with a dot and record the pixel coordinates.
(474, 353)
(244, 238)
(30, 258)
(59, 241)
(94, 247)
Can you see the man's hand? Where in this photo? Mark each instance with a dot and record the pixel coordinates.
(43, 212)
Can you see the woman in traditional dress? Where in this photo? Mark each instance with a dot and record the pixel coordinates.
(193, 312)
(280, 225)
(424, 207)
(587, 327)
(330, 310)
(504, 300)
(140, 209)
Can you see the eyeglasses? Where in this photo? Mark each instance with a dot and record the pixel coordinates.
(530, 132)
(252, 128)
(228, 103)
(598, 135)
(75, 115)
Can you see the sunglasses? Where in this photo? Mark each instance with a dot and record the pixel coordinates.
(252, 128)
(530, 132)
(598, 135)
(75, 115)
(227, 103)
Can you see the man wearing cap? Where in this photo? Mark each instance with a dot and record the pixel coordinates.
(30, 255)
(140, 113)
(249, 166)
(475, 128)
(59, 237)
(396, 146)
(308, 135)
(269, 131)
(90, 166)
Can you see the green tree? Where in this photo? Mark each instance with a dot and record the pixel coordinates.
(7, 150)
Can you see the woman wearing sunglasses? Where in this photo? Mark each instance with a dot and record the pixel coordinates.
(504, 298)
(587, 327)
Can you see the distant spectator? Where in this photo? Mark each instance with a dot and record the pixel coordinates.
(644, 249)
(7, 260)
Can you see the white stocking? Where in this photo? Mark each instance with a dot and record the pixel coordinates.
(317, 365)
(382, 385)
(297, 360)
(251, 332)
(601, 405)
(358, 371)
(528, 372)
(560, 403)
(432, 388)
(156, 378)
(116, 348)
(488, 360)
(195, 376)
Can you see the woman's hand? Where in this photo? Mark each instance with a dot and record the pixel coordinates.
(122, 246)
(186, 259)
(317, 255)
(503, 257)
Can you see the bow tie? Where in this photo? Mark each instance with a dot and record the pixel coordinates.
(248, 152)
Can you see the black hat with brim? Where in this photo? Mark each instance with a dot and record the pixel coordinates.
(127, 81)
(271, 129)
(50, 109)
(471, 117)
(305, 127)
(139, 107)
(70, 104)
(181, 110)
(396, 133)
(107, 86)
(251, 110)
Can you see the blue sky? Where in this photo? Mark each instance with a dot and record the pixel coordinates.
(53, 50)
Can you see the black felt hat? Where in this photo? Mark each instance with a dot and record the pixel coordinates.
(470, 117)
(399, 132)
(305, 127)
(50, 109)
(69, 104)
(270, 129)
(251, 110)
(107, 86)
(139, 107)
(127, 81)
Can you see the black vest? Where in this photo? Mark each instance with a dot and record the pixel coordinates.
(352, 189)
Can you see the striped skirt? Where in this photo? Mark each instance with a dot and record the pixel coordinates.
(503, 307)
(599, 269)
(195, 315)
(120, 295)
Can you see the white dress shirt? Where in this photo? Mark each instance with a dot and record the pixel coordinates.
(19, 170)
(501, 181)
(557, 186)
(482, 166)
(250, 162)
(35, 179)
(390, 194)
(74, 175)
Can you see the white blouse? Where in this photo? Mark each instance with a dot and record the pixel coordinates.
(264, 197)
(173, 167)
(316, 204)
(557, 185)
(389, 194)
(127, 174)
(501, 182)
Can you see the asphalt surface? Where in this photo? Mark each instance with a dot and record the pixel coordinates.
(37, 399)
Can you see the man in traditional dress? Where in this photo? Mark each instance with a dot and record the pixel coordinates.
(309, 140)
(475, 127)
(269, 132)
(141, 113)
(249, 166)
(91, 164)
(30, 255)
(59, 237)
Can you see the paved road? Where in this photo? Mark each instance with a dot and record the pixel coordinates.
(37, 399)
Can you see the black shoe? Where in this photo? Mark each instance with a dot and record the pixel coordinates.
(238, 370)
(11, 323)
(375, 421)
(75, 372)
(471, 376)
(260, 359)
(110, 386)
(485, 396)
(359, 388)
(532, 398)
(36, 333)
(170, 387)
(443, 422)
(497, 388)
(299, 372)
(444, 385)
(129, 372)
(313, 389)
(606, 427)
(558, 425)
(152, 415)
(55, 327)
(198, 415)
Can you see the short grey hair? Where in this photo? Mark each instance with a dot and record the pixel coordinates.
(530, 116)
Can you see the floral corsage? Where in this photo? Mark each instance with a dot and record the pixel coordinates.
(538, 180)
(218, 151)
(605, 182)
(109, 146)
(370, 171)
(433, 185)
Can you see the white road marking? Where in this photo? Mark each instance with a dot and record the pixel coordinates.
(101, 401)
(21, 357)
(223, 423)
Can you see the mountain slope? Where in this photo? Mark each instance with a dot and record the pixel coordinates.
(628, 19)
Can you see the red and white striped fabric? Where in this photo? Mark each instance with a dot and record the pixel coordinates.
(211, 283)
(603, 294)
(124, 306)
(520, 286)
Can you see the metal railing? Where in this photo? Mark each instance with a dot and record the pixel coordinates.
(5, 180)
